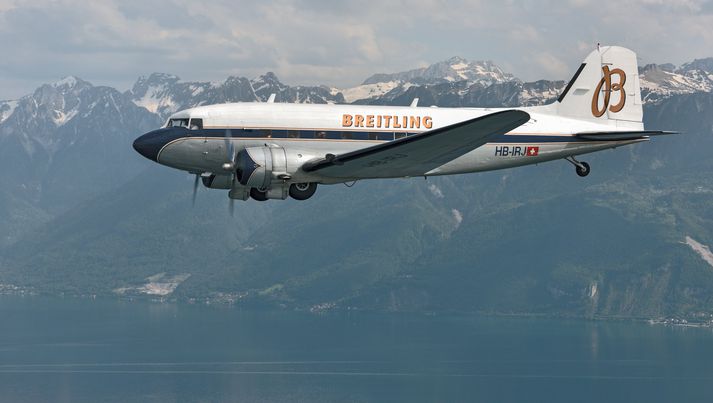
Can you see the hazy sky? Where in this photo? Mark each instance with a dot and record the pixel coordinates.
(337, 43)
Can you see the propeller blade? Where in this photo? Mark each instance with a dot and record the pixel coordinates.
(229, 148)
(195, 189)
(230, 151)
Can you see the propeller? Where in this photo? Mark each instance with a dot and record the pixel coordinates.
(230, 165)
(195, 188)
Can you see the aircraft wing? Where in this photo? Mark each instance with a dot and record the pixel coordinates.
(417, 154)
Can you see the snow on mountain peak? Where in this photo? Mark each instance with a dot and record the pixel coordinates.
(453, 69)
(154, 92)
(456, 60)
(269, 77)
(61, 117)
(70, 83)
(6, 109)
(57, 102)
(699, 64)
(367, 91)
(661, 81)
(157, 79)
(267, 82)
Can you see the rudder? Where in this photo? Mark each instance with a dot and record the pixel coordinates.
(605, 88)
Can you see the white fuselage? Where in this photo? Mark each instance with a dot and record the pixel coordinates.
(311, 131)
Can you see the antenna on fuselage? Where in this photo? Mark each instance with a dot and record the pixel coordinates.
(271, 100)
(414, 103)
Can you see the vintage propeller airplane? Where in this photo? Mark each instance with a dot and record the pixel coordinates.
(274, 150)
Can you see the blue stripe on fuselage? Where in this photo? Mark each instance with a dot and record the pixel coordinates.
(365, 135)
(150, 144)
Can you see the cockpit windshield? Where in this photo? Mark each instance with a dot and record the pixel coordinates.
(178, 123)
(195, 124)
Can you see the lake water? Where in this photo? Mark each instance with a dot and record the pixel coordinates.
(77, 350)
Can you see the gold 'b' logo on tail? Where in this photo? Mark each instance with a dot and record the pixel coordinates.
(608, 87)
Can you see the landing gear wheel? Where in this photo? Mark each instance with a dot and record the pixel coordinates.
(258, 195)
(583, 170)
(302, 191)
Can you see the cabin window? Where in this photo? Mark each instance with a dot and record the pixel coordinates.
(293, 134)
(196, 124)
(178, 123)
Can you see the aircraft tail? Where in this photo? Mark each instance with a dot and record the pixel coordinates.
(605, 89)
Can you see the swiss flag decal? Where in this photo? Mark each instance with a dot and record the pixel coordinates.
(532, 151)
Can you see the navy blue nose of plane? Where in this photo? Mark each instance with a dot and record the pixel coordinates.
(147, 146)
(150, 144)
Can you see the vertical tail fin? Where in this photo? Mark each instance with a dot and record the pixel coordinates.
(605, 88)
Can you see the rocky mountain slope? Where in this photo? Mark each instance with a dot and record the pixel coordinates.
(164, 94)
(62, 144)
(659, 82)
(81, 213)
(455, 69)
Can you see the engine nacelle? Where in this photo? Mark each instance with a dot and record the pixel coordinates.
(256, 167)
(217, 181)
(226, 182)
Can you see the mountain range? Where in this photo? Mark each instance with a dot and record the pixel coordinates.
(82, 214)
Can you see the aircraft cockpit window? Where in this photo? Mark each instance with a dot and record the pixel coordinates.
(178, 123)
(196, 124)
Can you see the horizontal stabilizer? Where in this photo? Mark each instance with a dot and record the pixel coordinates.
(618, 136)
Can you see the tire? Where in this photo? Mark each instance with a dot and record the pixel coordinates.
(258, 195)
(302, 191)
(584, 170)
